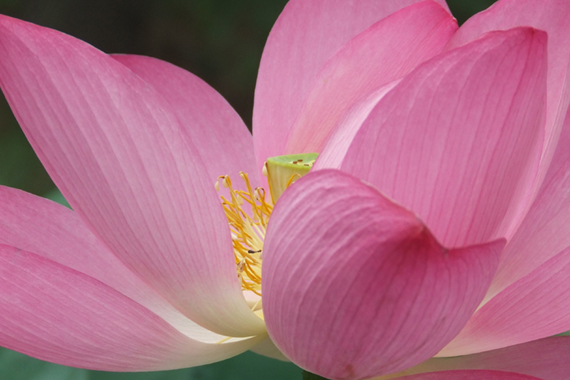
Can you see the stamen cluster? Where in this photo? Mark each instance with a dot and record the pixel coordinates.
(247, 228)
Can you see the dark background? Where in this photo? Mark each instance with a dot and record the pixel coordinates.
(221, 41)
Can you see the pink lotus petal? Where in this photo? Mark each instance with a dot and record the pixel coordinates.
(355, 286)
(458, 141)
(548, 15)
(341, 138)
(470, 375)
(545, 358)
(56, 233)
(119, 157)
(304, 37)
(534, 307)
(562, 154)
(57, 314)
(385, 52)
(544, 231)
(209, 123)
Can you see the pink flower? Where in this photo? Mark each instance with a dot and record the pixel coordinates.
(433, 223)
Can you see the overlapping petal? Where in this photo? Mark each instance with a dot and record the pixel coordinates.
(118, 154)
(459, 140)
(356, 286)
(534, 307)
(385, 52)
(546, 359)
(304, 37)
(56, 233)
(343, 134)
(550, 16)
(55, 313)
(543, 232)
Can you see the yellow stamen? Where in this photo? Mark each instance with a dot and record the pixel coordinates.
(248, 213)
(248, 232)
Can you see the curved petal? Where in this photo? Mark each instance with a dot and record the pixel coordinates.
(341, 138)
(207, 119)
(304, 37)
(543, 232)
(355, 286)
(111, 145)
(54, 313)
(56, 233)
(470, 375)
(546, 359)
(458, 141)
(385, 52)
(550, 16)
(534, 307)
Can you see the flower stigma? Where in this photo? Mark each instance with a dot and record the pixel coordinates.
(248, 213)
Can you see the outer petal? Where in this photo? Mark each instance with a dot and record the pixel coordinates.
(545, 358)
(544, 232)
(548, 15)
(304, 37)
(119, 157)
(458, 141)
(56, 233)
(470, 375)
(208, 121)
(386, 51)
(355, 286)
(57, 314)
(534, 307)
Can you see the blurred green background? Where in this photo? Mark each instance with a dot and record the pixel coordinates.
(221, 41)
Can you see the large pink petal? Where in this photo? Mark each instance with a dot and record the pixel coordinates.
(545, 358)
(386, 51)
(355, 286)
(120, 158)
(534, 307)
(458, 141)
(208, 121)
(304, 37)
(56, 233)
(57, 314)
(470, 375)
(548, 15)
(544, 232)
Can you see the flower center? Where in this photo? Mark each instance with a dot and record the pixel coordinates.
(248, 212)
(247, 228)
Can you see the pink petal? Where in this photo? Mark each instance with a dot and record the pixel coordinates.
(355, 286)
(458, 141)
(341, 138)
(552, 17)
(386, 51)
(208, 121)
(534, 307)
(57, 314)
(56, 233)
(304, 37)
(119, 156)
(543, 233)
(545, 358)
(470, 375)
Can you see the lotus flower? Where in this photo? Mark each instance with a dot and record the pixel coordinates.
(433, 223)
